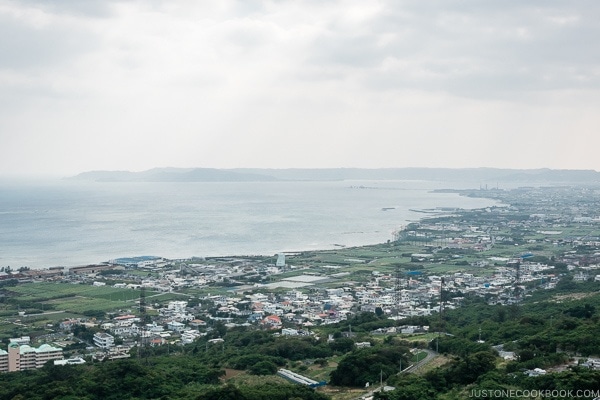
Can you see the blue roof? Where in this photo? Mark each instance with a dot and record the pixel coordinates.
(135, 260)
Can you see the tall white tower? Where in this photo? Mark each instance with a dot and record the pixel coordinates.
(280, 260)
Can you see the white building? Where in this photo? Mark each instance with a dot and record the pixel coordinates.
(177, 306)
(176, 326)
(20, 341)
(104, 340)
(189, 336)
(280, 260)
(125, 330)
(70, 361)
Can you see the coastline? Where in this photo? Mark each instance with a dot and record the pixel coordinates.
(277, 217)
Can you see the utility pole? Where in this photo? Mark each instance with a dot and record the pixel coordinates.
(397, 292)
(143, 337)
(442, 299)
(441, 328)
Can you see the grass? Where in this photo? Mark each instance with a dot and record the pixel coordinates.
(419, 356)
(374, 255)
(7, 327)
(163, 297)
(342, 393)
(253, 380)
(319, 373)
(41, 291)
(437, 362)
(78, 298)
(80, 304)
(419, 337)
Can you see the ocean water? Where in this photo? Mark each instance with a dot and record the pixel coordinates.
(68, 223)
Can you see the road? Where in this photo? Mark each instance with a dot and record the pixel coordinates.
(44, 313)
(410, 370)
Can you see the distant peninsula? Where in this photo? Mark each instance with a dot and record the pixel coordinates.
(339, 174)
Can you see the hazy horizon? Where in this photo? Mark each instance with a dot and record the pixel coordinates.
(123, 85)
(41, 177)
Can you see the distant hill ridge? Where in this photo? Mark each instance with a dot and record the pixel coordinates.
(337, 174)
(173, 175)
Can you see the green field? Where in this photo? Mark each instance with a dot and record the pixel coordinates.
(43, 291)
(78, 298)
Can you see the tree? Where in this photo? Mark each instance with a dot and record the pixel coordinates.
(526, 355)
(342, 345)
(468, 369)
(98, 314)
(585, 311)
(368, 365)
(263, 368)
(409, 387)
(227, 392)
(322, 362)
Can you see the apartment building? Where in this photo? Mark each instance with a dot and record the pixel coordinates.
(24, 357)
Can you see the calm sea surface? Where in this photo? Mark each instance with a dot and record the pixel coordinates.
(74, 223)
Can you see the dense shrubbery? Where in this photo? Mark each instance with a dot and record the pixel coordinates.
(166, 378)
(246, 361)
(369, 365)
(298, 348)
(124, 379)
(262, 392)
(541, 326)
(535, 331)
(363, 322)
(459, 346)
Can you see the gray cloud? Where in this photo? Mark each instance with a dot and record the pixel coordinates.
(87, 8)
(484, 48)
(26, 47)
(224, 83)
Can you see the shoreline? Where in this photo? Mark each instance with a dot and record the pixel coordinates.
(388, 218)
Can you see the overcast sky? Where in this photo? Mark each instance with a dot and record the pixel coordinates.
(132, 85)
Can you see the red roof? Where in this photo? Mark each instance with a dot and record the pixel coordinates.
(273, 319)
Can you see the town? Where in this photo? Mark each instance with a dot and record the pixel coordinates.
(533, 240)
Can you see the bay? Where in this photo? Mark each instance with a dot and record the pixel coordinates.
(67, 223)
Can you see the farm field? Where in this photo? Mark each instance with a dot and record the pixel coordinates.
(79, 298)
